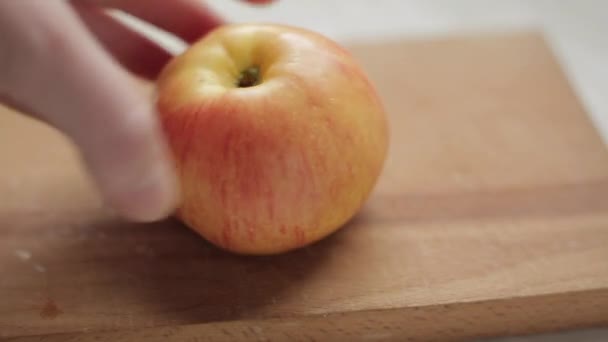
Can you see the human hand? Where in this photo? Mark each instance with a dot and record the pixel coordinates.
(71, 65)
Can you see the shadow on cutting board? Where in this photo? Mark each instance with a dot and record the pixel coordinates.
(90, 272)
(182, 277)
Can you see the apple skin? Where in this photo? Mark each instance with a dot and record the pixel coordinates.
(279, 165)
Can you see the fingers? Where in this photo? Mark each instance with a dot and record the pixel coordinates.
(188, 19)
(134, 51)
(51, 65)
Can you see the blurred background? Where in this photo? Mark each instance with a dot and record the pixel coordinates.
(577, 31)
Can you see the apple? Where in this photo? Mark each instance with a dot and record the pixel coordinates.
(278, 136)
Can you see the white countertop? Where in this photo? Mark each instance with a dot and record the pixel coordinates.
(576, 30)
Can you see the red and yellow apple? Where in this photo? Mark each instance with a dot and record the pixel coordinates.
(278, 136)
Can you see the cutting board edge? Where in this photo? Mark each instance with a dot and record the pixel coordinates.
(553, 312)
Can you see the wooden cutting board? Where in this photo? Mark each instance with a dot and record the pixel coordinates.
(491, 218)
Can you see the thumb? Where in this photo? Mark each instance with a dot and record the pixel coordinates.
(54, 67)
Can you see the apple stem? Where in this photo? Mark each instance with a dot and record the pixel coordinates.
(249, 77)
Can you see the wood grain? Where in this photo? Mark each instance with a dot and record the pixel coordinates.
(491, 218)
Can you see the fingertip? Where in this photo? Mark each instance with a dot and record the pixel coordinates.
(153, 197)
(139, 180)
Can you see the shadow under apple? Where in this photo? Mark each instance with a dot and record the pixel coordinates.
(102, 273)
